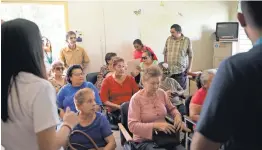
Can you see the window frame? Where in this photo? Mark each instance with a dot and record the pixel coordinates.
(243, 40)
(64, 3)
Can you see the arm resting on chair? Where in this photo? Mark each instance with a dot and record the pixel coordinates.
(189, 120)
(193, 74)
(124, 132)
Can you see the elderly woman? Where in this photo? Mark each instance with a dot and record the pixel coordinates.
(76, 81)
(57, 79)
(198, 98)
(92, 123)
(117, 88)
(172, 88)
(148, 109)
(105, 70)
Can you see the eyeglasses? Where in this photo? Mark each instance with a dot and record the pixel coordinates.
(71, 38)
(59, 68)
(78, 74)
(144, 58)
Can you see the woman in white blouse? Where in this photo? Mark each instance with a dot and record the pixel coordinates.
(29, 113)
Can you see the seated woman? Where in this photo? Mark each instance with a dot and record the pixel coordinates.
(147, 60)
(117, 88)
(198, 98)
(92, 123)
(140, 48)
(57, 79)
(76, 81)
(148, 109)
(105, 70)
(172, 87)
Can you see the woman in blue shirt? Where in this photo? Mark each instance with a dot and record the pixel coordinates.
(92, 123)
(76, 81)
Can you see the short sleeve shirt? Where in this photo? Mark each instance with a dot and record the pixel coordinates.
(98, 130)
(32, 112)
(232, 110)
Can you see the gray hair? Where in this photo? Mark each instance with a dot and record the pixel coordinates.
(205, 75)
(79, 97)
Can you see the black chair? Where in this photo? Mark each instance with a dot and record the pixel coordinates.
(125, 134)
(124, 121)
(92, 77)
(187, 103)
(113, 120)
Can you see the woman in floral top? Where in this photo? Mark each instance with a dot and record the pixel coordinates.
(57, 79)
(105, 70)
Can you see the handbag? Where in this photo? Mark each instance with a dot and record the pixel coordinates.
(166, 140)
(71, 145)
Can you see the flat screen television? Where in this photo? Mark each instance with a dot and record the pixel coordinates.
(227, 31)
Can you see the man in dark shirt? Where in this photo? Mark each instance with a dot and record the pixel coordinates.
(232, 112)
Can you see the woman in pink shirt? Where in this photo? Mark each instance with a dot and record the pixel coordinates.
(149, 107)
(140, 48)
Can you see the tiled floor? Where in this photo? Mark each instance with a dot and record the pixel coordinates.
(118, 141)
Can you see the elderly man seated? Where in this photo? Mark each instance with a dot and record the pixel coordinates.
(199, 97)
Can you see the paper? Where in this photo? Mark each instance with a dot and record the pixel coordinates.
(131, 65)
(79, 35)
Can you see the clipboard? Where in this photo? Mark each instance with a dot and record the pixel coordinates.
(131, 65)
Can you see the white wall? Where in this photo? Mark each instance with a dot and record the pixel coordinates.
(112, 26)
(233, 10)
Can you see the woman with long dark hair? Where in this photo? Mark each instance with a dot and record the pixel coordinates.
(28, 110)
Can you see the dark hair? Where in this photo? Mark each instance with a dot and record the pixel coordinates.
(70, 70)
(198, 81)
(150, 54)
(109, 56)
(69, 33)
(21, 48)
(176, 27)
(138, 41)
(252, 12)
(47, 40)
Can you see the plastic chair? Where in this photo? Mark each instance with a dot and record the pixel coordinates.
(92, 77)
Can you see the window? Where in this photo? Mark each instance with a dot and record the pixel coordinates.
(50, 17)
(244, 44)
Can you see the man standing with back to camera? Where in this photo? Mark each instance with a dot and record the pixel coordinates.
(232, 112)
(178, 54)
